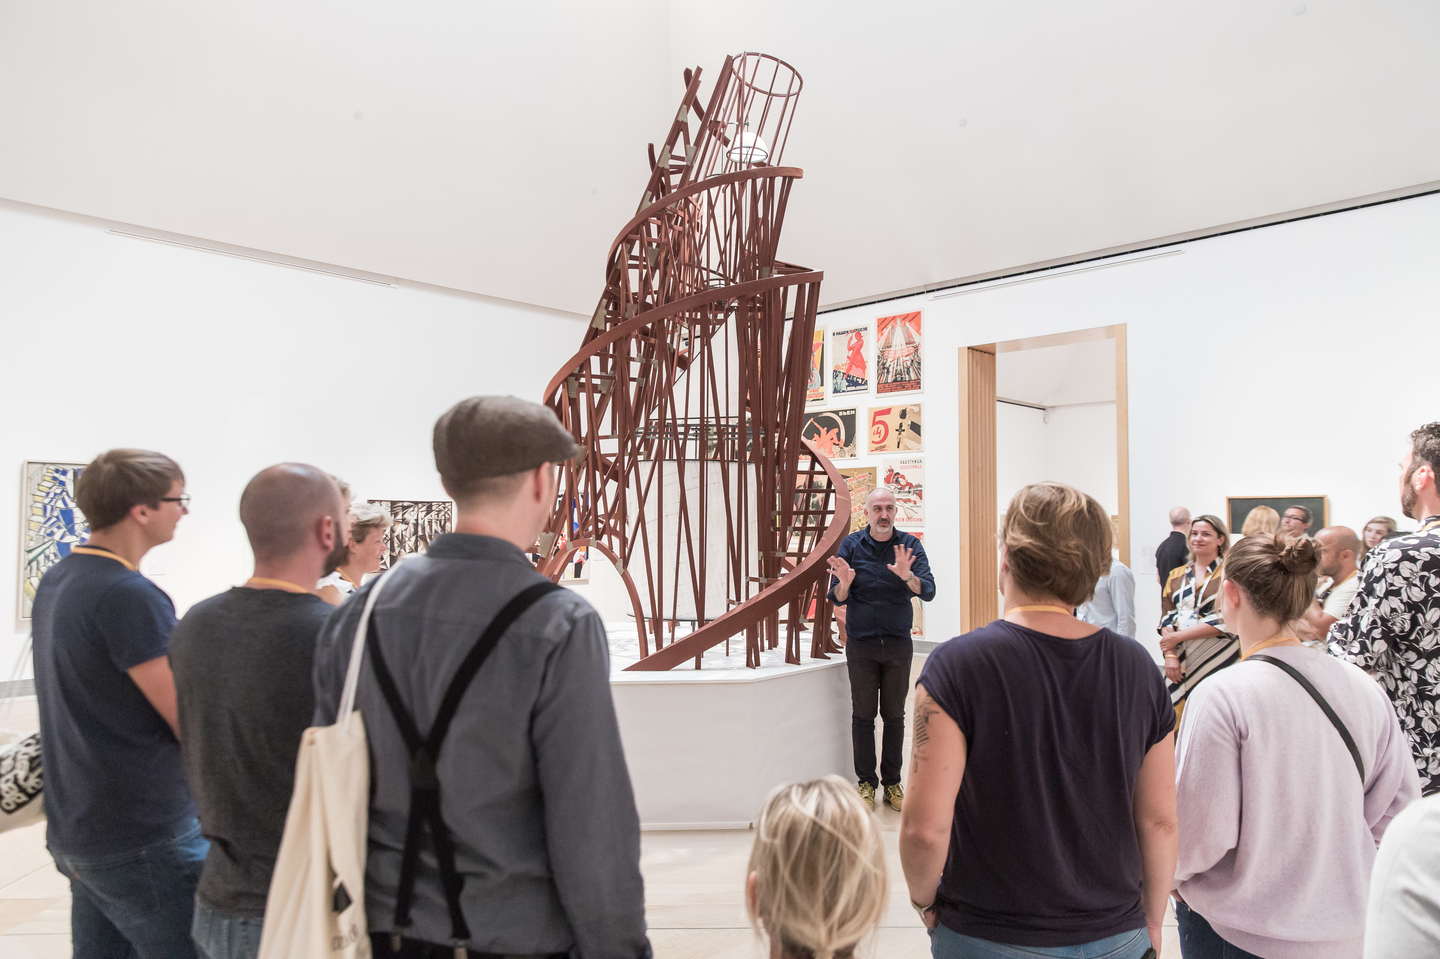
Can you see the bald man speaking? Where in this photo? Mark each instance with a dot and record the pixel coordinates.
(242, 662)
(875, 573)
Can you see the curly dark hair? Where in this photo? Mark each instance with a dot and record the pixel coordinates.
(1425, 445)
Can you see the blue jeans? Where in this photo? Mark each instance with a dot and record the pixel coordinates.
(219, 936)
(136, 904)
(1199, 941)
(948, 944)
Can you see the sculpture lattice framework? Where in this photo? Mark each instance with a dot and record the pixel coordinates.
(689, 390)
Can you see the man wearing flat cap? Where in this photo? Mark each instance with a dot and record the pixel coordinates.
(533, 789)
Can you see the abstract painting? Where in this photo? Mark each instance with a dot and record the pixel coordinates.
(815, 385)
(833, 431)
(50, 523)
(897, 353)
(906, 478)
(416, 525)
(860, 480)
(849, 368)
(895, 429)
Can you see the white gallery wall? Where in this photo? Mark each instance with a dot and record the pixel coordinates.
(1283, 360)
(229, 366)
(1068, 444)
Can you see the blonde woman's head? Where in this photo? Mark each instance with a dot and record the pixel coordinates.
(817, 880)
(1260, 521)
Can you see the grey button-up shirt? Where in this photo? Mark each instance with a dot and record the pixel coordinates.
(533, 781)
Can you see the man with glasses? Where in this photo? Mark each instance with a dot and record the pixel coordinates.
(121, 822)
(1297, 519)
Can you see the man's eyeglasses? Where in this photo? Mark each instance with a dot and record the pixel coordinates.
(184, 501)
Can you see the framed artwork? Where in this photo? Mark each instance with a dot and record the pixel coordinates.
(895, 429)
(849, 366)
(416, 525)
(50, 524)
(833, 431)
(815, 384)
(860, 480)
(905, 476)
(897, 353)
(1239, 507)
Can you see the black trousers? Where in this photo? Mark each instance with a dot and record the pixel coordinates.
(381, 948)
(879, 676)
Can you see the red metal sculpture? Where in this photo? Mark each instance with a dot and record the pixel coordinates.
(688, 392)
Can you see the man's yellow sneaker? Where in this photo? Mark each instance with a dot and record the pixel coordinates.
(895, 796)
(867, 794)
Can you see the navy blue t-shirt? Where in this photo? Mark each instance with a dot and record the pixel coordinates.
(1043, 849)
(113, 775)
(878, 603)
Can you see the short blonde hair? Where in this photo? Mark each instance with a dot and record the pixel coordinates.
(821, 882)
(1057, 542)
(1260, 521)
(366, 518)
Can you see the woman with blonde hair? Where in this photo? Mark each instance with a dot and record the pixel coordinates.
(1291, 765)
(1373, 533)
(1193, 637)
(816, 882)
(1040, 819)
(1260, 521)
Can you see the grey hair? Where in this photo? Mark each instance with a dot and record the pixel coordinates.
(365, 518)
(1179, 516)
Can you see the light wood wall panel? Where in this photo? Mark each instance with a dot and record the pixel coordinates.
(979, 603)
(1122, 444)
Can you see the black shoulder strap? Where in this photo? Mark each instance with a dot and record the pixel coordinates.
(424, 783)
(1299, 677)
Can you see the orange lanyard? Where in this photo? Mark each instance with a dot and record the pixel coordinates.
(347, 578)
(1427, 527)
(102, 551)
(264, 583)
(1267, 644)
(1038, 609)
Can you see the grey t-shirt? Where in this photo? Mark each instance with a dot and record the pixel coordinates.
(1403, 920)
(243, 662)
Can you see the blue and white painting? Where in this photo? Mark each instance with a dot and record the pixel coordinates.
(50, 523)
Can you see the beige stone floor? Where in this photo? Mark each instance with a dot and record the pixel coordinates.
(693, 890)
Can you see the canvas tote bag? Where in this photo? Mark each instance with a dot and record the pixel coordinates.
(316, 905)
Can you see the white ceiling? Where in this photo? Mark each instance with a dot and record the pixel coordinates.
(1058, 375)
(501, 146)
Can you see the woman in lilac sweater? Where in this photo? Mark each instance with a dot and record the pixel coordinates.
(1288, 878)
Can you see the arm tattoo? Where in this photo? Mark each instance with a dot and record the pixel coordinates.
(924, 710)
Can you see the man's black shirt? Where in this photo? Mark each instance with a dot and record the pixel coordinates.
(1171, 554)
(879, 601)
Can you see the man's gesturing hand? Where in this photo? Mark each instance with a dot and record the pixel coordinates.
(904, 556)
(842, 571)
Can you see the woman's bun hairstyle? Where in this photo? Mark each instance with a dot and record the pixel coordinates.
(1057, 542)
(1278, 572)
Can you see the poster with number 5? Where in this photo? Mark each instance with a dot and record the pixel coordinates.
(895, 429)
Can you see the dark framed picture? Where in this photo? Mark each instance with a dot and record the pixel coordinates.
(1239, 507)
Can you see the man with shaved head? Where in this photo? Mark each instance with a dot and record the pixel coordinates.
(242, 662)
(875, 574)
(1339, 547)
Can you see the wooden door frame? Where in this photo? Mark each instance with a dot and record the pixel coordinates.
(979, 511)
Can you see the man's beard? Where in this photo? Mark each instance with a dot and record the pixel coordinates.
(1408, 496)
(338, 557)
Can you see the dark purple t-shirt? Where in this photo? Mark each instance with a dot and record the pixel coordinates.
(1043, 849)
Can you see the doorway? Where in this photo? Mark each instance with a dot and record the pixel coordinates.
(1071, 387)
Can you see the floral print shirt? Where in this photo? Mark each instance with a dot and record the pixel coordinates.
(1392, 631)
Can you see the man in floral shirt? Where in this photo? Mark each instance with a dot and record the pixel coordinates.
(1393, 627)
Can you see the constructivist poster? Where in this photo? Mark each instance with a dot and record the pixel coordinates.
(833, 431)
(416, 525)
(50, 523)
(897, 353)
(906, 478)
(860, 480)
(849, 367)
(815, 385)
(895, 429)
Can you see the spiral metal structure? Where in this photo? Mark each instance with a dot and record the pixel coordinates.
(688, 392)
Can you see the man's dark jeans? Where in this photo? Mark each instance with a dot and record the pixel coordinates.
(1199, 941)
(879, 675)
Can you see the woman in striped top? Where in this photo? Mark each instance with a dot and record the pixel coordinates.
(1192, 631)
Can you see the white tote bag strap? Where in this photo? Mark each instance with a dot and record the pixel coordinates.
(357, 652)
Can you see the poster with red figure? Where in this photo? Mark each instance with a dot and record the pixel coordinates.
(849, 363)
(906, 478)
(897, 353)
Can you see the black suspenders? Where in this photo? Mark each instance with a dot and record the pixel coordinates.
(424, 785)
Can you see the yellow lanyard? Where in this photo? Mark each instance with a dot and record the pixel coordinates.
(102, 551)
(1427, 527)
(264, 583)
(1267, 644)
(347, 578)
(1038, 609)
